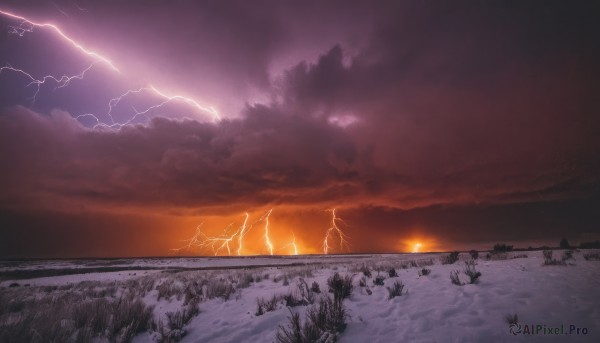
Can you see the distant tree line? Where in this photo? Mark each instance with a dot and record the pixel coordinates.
(563, 244)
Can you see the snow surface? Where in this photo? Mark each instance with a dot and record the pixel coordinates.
(432, 310)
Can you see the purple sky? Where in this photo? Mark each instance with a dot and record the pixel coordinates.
(465, 122)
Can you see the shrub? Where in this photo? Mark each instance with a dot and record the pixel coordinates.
(315, 287)
(392, 272)
(219, 288)
(555, 262)
(567, 255)
(362, 282)
(329, 316)
(366, 272)
(501, 247)
(450, 258)
(306, 293)
(286, 282)
(564, 244)
(378, 281)
(396, 289)
(322, 324)
(291, 300)
(550, 261)
(590, 245)
(592, 256)
(474, 254)
(424, 272)
(130, 317)
(454, 278)
(263, 306)
(340, 286)
(425, 263)
(497, 256)
(175, 323)
(471, 272)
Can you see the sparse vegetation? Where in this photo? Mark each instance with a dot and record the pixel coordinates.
(550, 261)
(323, 323)
(366, 272)
(392, 272)
(592, 256)
(396, 289)
(501, 247)
(315, 288)
(471, 272)
(567, 255)
(263, 306)
(454, 278)
(590, 245)
(66, 316)
(379, 280)
(424, 272)
(174, 331)
(425, 263)
(340, 286)
(451, 258)
(474, 254)
(362, 282)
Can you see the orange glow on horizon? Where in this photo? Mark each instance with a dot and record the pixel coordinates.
(419, 244)
(417, 247)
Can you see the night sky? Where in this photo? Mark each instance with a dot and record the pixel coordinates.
(456, 124)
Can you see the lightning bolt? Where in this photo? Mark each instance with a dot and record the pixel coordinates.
(242, 234)
(334, 229)
(193, 242)
(267, 239)
(292, 244)
(201, 240)
(61, 81)
(218, 243)
(27, 26)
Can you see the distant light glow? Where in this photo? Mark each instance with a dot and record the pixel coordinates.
(417, 247)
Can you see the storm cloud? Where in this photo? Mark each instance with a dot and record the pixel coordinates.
(438, 116)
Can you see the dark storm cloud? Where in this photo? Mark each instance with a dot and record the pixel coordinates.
(481, 110)
(267, 157)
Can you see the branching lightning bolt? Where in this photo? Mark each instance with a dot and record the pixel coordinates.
(334, 229)
(223, 242)
(27, 26)
(334, 236)
(61, 81)
(292, 244)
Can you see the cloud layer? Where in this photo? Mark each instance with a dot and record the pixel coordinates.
(415, 107)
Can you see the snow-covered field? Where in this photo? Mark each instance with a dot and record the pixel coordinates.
(165, 294)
